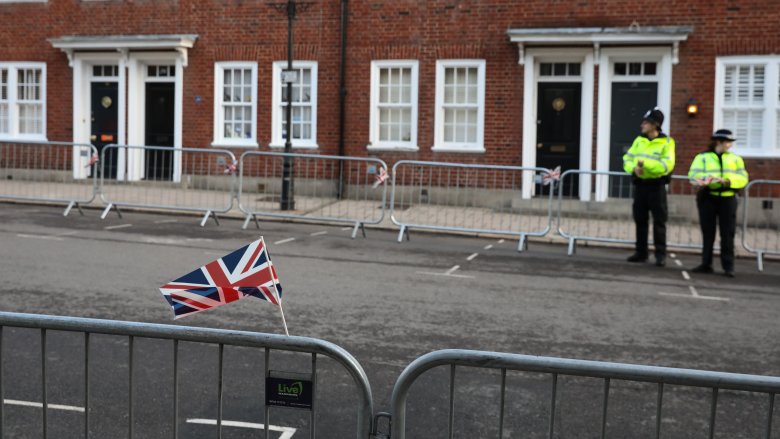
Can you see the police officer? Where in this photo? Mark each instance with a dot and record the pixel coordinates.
(719, 174)
(650, 161)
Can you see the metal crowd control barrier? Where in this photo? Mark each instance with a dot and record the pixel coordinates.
(761, 220)
(167, 178)
(581, 368)
(340, 189)
(611, 219)
(56, 172)
(137, 331)
(470, 198)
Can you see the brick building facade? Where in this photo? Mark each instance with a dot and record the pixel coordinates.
(534, 83)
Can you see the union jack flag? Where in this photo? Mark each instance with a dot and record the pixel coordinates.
(247, 271)
(551, 177)
(231, 169)
(92, 160)
(380, 177)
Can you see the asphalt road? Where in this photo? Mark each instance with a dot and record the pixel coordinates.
(386, 303)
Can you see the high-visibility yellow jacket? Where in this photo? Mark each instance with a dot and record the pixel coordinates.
(726, 166)
(657, 156)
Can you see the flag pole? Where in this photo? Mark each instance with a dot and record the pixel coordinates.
(284, 321)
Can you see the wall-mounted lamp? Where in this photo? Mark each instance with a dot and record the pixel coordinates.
(692, 108)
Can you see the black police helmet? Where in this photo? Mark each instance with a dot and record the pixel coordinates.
(654, 116)
(724, 135)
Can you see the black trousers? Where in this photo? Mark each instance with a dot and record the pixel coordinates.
(714, 210)
(650, 198)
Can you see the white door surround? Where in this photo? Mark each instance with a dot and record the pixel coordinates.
(663, 56)
(128, 52)
(533, 58)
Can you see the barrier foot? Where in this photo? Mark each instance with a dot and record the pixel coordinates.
(522, 245)
(403, 232)
(572, 246)
(760, 256)
(70, 206)
(358, 226)
(206, 218)
(250, 217)
(108, 209)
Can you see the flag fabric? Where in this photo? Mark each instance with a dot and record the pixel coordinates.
(231, 169)
(245, 272)
(380, 177)
(551, 177)
(92, 160)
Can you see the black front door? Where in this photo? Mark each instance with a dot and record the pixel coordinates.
(159, 129)
(558, 129)
(104, 128)
(630, 101)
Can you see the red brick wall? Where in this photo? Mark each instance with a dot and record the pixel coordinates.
(232, 30)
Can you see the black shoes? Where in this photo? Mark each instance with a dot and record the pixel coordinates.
(729, 273)
(636, 257)
(660, 261)
(704, 269)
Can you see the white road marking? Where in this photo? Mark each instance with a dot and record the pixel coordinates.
(51, 238)
(488, 247)
(68, 408)
(452, 270)
(473, 255)
(346, 228)
(694, 293)
(199, 240)
(318, 233)
(688, 296)
(685, 275)
(678, 262)
(71, 233)
(673, 255)
(461, 276)
(287, 432)
(119, 226)
(284, 241)
(500, 241)
(166, 221)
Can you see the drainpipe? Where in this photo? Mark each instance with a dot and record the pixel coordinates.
(342, 90)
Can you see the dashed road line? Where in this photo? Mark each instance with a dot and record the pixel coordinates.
(166, 221)
(685, 275)
(118, 226)
(673, 255)
(346, 228)
(284, 241)
(318, 233)
(472, 256)
(488, 247)
(47, 237)
(678, 262)
(67, 408)
(500, 241)
(287, 432)
(694, 293)
(452, 270)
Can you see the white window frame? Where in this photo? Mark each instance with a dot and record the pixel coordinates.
(375, 144)
(439, 144)
(277, 137)
(219, 136)
(771, 106)
(13, 103)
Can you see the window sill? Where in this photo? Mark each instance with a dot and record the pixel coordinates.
(9, 138)
(459, 149)
(224, 144)
(294, 146)
(391, 147)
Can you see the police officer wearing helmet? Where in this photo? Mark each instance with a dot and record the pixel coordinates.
(719, 174)
(650, 161)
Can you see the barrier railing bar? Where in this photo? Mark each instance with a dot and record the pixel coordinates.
(266, 407)
(130, 348)
(659, 410)
(86, 385)
(451, 422)
(2, 396)
(554, 394)
(713, 411)
(502, 405)
(313, 413)
(44, 391)
(221, 387)
(604, 409)
(176, 389)
(770, 414)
